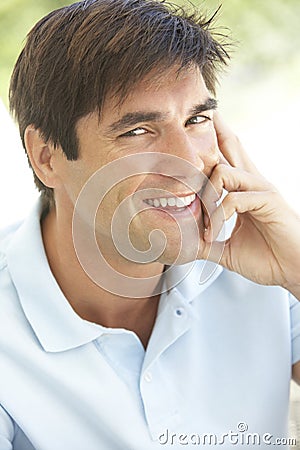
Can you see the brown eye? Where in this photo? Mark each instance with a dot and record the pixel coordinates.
(195, 120)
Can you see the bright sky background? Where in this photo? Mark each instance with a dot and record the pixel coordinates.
(266, 119)
(17, 192)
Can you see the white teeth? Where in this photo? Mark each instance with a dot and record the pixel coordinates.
(171, 201)
(179, 202)
(188, 200)
(163, 202)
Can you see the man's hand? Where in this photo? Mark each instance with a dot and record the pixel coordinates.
(265, 244)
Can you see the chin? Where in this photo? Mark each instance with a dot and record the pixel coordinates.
(177, 254)
(165, 239)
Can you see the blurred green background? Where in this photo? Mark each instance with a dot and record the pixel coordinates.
(267, 33)
(260, 97)
(259, 94)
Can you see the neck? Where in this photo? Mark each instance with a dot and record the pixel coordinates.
(87, 297)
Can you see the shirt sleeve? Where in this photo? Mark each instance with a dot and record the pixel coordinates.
(7, 430)
(295, 328)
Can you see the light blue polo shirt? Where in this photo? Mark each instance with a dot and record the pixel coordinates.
(218, 363)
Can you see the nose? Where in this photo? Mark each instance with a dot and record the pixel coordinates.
(182, 146)
(200, 151)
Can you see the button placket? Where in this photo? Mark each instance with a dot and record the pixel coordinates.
(179, 312)
(148, 377)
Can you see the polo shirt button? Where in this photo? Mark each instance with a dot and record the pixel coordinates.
(179, 312)
(148, 377)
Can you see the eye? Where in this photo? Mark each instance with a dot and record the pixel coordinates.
(136, 132)
(195, 120)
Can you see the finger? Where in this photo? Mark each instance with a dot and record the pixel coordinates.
(212, 251)
(223, 160)
(231, 147)
(230, 179)
(255, 203)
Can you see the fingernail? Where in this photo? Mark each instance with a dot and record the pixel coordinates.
(207, 234)
(206, 221)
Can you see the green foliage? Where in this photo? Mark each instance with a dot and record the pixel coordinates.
(266, 32)
(16, 18)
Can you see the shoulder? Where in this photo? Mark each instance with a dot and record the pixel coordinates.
(6, 236)
(237, 302)
(8, 294)
(235, 286)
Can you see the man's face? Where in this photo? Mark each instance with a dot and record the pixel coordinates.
(171, 119)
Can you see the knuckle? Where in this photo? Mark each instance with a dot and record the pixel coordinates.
(220, 167)
(233, 139)
(273, 190)
(220, 170)
(232, 198)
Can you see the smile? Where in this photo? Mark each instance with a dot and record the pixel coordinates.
(165, 202)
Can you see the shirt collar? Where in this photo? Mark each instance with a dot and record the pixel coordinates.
(51, 316)
(54, 322)
(191, 279)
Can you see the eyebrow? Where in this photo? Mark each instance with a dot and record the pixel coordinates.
(133, 118)
(208, 105)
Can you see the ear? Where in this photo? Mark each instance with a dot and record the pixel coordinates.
(40, 154)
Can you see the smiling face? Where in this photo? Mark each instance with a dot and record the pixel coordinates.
(172, 121)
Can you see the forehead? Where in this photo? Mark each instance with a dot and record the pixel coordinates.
(157, 88)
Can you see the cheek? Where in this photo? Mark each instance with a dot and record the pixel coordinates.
(140, 233)
(120, 198)
(72, 180)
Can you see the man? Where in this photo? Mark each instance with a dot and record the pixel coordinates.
(116, 330)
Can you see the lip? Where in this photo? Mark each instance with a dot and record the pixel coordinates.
(170, 194)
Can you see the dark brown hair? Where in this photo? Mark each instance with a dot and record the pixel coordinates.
(78, 54)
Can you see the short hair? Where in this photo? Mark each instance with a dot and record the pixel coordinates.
(77, 55)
